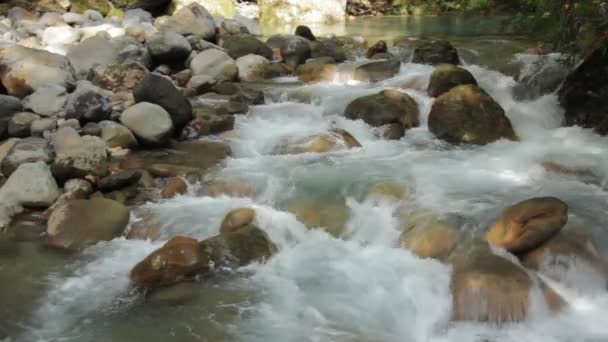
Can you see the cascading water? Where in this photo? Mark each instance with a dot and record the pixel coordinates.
(357, 286)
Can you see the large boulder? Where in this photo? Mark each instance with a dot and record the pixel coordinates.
(193, 20)
(527, 224)
(222, 8)
(253, 68)
(435, 53)
(26, 150)
(23, 70)
(446, 77)
(159, 90)
(244, 44)
(467, 114)
(377, 70)
(179, 259)
(216, 64)
(239, 248)
(169, 47)
(294, 50)
(78, 156)
(81, 223)
(584, 94)
(385, 108)
(490, 288)
(305, 11)
(150, 123)
(88, 103)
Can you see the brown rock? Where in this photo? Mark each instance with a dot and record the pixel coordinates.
(237, 219)
(526, 225)
(244, 246)
(174, 186)
(429, 237)
(228, 187)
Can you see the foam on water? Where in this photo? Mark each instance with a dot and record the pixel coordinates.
(359, 287)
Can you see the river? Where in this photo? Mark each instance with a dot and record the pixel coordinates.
(352, 285)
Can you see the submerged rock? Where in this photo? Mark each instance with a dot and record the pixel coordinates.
(527, 224)
(81, 223)
(387, 107)
(435, 53)
(447, 77)
(336, 139)
(466, 114)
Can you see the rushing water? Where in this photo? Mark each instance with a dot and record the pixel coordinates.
(353, 284)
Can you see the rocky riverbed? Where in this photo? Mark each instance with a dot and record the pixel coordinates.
(184, 178)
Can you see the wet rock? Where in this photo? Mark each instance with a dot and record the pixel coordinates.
(170, 170)
(150, 123)
(194, 20)
(527, 224)
(120, 77)
(239, 248)
(208, 121)
(40, 126)
(9, 105)
(389, 190)
(447, 77)
(305, 32)
(237, 219)
(293, 49)
(78, 156)
(216, 64)
(228, 187)
(173, 187)
(19, 125)
(466, 114)
(435, 53)
(584, 93)
(377, 71)
(317, 70)
(490, 288)
(159, 90)
(245, 44)
(178, 294)
(116, 135)
(253, 68)
(169, 47)
(377, 51)
(327, 48)
(429, 237)
(119, 180)
(81, 223)
(386, 107)
(305, 11)
(180, 259)
(23, 70)
(88, 103)
(73, 189)
(392, 131)
(570, 258)
(28, 150)
(336, 139)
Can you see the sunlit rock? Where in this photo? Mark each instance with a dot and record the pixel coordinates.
(448, 76)
(429, 237)
(467, 114)
(336, 139)
(526, 225)
(237, 219)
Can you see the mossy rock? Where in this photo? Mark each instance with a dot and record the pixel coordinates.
(448, 76)
(102, 6)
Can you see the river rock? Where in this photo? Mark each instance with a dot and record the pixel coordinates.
(317, 70)
(327, 48)
(244, 44)
(31, 185)
(387, 107)
(200, 84)
(159, 90)
(76, 156)
(150, 123)
(40, 126)
(179, 259)
(446, 77)
(527, 224)
(169, 47)
(336, 139)
(490, 288)
(194, 20)
(119, 180)
(377, 51)
(97, 51)
(305, 32)
(294, 50)
(46, 101)
(239, 248)
(28, 150)
(9, 105)
(253, 68)
(120, 77)
(228, 187)
(305, 11)
(88, 103)
(152, 6)
(23, 70)
(584, 93)
(377, 70)
(216, 64)
(19, 125)
(116, 135)
(435, 53)
(81, 223)
(429, 237)
(173, 187)
(237, 219)
(467, 114)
